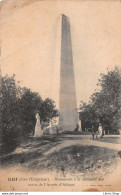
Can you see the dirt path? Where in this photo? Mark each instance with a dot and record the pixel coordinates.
(79, 154)
(84, 142)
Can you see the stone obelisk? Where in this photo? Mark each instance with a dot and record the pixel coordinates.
(68, 115)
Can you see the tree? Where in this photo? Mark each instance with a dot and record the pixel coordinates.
(29, 104)
(18, 109)
(9, 119)
(8, 102)
(48, 110)
(106, 103)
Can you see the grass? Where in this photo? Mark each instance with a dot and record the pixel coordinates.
(81, 159)
(30, 149)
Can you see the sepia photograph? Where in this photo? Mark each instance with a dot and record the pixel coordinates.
(60, 95)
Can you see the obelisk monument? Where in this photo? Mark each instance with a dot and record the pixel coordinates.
(68, 115)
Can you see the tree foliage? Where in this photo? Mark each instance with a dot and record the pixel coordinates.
(105, 104)
(47, 110)
(18, 109)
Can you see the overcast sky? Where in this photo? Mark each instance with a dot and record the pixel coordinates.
(30, 35)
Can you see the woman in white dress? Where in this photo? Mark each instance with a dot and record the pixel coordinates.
(38, 130)
(100, 130)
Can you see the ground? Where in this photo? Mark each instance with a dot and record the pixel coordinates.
(74, 154)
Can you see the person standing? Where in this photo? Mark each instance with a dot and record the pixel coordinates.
(100, 130)
(93, 132)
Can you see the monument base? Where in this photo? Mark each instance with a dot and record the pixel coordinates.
(68, 119)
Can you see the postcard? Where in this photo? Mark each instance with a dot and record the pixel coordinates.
(60, 95)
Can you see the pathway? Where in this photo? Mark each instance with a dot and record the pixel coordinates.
(83, 141)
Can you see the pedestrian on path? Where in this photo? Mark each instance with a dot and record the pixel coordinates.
(93, 133)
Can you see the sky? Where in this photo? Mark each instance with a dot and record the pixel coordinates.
(30, 42)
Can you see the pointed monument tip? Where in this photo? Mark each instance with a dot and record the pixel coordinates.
(63, 15)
